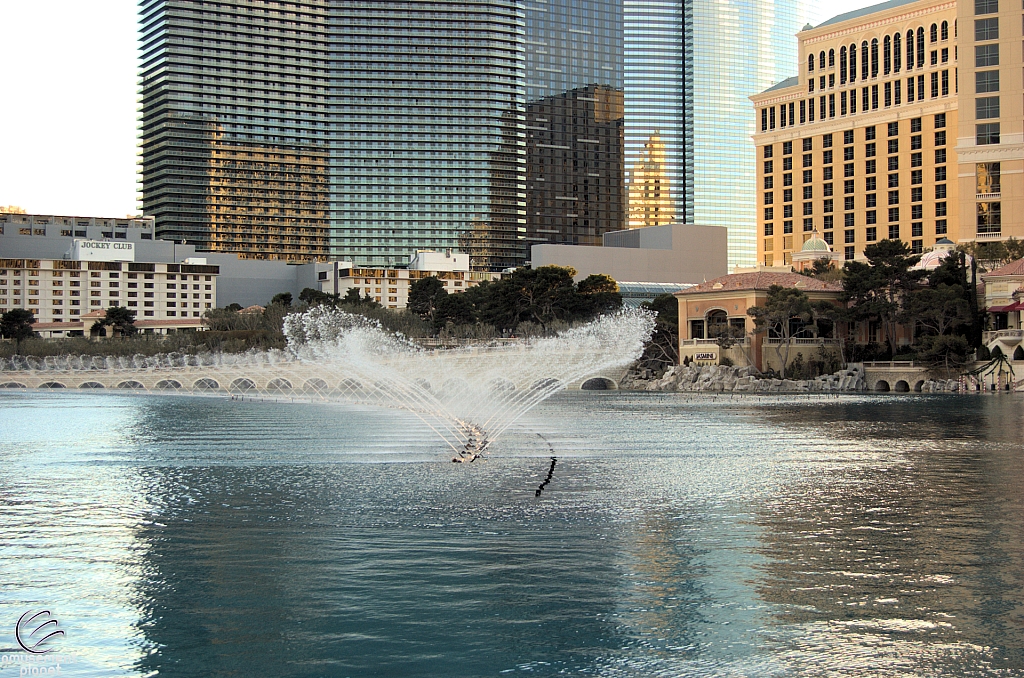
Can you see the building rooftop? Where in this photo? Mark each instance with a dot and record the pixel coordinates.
(1012, 268)
(762, 280)
(788, 82)
(864, 11)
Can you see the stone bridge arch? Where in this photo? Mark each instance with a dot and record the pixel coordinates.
(279, 385)
(131, 384)
(598, 384)
(168, 384)
(52, 384)
(206, 384)
(894, 377)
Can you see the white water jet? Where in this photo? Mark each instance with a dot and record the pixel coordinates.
(469, 396)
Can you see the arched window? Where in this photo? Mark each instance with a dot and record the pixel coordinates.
(874, 57)
(945, 30)
(831, 58)
(821, 60)
(910, 50)
(864, 60)
(717, 324)
(887, 55)
(810, 63)
(934, 33)
(920, 47)
(853, 62)
(897, 52)
(842, 65)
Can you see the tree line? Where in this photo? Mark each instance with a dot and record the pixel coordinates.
(528, 301)
(938, 308)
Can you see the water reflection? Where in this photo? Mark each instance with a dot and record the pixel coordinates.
(678, 536)
(909, 560)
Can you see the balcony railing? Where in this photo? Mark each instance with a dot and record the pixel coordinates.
(1008, 336)
(803, 341)
(987, 196)
(889, 363)
(745, 341)
(990, 236)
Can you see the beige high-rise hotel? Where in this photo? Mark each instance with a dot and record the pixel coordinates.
(879, 137)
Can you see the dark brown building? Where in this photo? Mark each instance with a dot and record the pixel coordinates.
(574, 167)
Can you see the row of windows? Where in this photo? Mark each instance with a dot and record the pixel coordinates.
(870, 235)
(849, 253)
(989, 221)
(870, 183)
(75, 311)
(916, 230)
(870, 199)
(870, 149)
(891, 93)
(870, 166)
(871, 216)
(891, 53)
(870, 134)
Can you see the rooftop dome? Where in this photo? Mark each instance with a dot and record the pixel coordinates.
(816, 244)
(933, 259)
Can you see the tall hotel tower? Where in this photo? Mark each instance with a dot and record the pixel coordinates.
(367, 129)
(474, 125)
(427, 139)
(234, 125)
(689, 68)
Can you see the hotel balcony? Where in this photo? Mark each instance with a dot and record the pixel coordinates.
(1003, 336)
(803, 341)
(745, 341)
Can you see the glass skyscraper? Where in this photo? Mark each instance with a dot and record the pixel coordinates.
(574, 121)
(368, 129)
(437, 110)
(234, 125)
(689, 68)
(427, 139)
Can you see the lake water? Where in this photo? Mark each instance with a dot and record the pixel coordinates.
(677, 536)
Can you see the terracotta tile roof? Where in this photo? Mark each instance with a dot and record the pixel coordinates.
(1012, 268)
(762, 280)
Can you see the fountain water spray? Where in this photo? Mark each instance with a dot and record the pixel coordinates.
(469, 396)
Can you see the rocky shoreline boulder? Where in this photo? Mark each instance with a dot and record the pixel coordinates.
(722, 378)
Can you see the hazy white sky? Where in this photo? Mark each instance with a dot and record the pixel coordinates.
(68, 124)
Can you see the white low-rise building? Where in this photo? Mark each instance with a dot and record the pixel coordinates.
(390, 286)
(68, 295)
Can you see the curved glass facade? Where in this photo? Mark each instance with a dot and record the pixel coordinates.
(690, 68)
(234, 129)
(427, 148)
